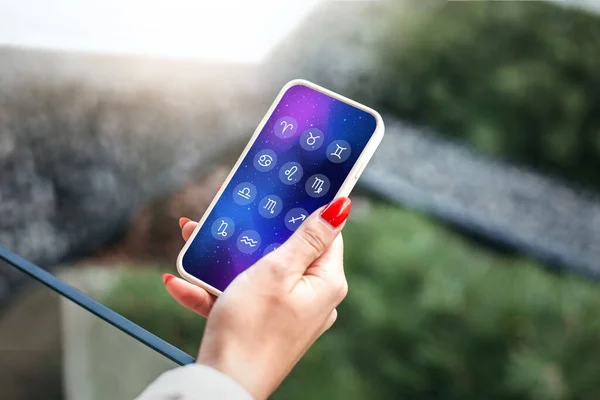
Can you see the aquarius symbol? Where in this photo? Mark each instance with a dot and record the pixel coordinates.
(290, 172)
(249, 241)
(265, 160)
(286, 125)
(222, 231)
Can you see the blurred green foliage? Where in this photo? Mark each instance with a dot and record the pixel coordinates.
(429, 315)
(516, 79)
(140, 295)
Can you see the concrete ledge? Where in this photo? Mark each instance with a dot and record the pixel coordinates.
(101, 362)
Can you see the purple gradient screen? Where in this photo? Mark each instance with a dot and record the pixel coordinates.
(297, 164)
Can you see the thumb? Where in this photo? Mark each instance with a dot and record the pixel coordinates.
(311, 239)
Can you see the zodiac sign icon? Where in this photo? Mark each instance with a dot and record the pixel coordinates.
(293, 220)
(265, 160)
(311, 140)
(338, 151)
(290, 172)
(286, 125)
(249, 241)
(270, 206)
(222, 228)
(317, 185)
(222, 231)
(245, 193)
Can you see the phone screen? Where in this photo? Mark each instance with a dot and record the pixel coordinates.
(298, 162)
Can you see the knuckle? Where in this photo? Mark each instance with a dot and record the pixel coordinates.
(279, 264)
(313, 239)
(339, 290)
(276, 266)
(271, 262)
(273, 300)
(331, 319)
(342, 290)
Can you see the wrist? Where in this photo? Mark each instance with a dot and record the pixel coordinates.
(251, 371)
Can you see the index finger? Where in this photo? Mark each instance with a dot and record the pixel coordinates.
(190, 296)
(187, 229)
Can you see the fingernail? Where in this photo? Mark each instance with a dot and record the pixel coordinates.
(183, 221)
(337, 211)
(167, 278)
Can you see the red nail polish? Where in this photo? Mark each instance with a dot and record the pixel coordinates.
(337, 211)
(167, 277)
(183, 221)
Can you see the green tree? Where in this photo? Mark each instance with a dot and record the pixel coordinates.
(515, 79)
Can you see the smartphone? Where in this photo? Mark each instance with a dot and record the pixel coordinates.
(311, 146)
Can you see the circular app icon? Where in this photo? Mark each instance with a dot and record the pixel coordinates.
(270, 248)
(270, 206)
(265, 160)
(244, 193)
(294, 218)
(290, 173)
(312, 139)
(317, 185)
(338, 151)
(248, 242)
(285, 127)
(222, 228)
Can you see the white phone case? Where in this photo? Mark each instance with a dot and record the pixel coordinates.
(344, 191)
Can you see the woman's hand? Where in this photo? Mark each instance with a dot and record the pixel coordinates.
(274, 311)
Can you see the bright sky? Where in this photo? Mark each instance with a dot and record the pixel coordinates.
(242, 30)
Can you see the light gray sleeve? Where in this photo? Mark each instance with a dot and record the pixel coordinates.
(194, 382)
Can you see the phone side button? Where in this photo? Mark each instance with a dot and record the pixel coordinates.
(360, 170)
